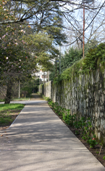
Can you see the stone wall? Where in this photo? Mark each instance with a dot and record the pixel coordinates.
(45, 89)
(41, 89)
(15, 87)
(84, 95)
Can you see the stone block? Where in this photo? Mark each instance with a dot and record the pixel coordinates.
(96, 132)
(97, 76)
(101, 114)
(103, 123)
(98, 135)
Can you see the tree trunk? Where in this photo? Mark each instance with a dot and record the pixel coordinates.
(9, 92)
(19, 89)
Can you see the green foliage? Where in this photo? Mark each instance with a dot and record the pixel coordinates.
(46, 98)
(4, 107)
(83, 126)
(6, 113)
(5, 120)
(70, 58)
(48, 18)
(73, 70)
(1, 100)
(68, 118)
(30, 86)
(67, 60)
(22, 47)
(57, 79)
(91, 44)
(92, 142)
(94, 59)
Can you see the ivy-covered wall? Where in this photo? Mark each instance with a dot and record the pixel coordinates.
(81, 88)
(41, 89)
(83, 95)
(45, 89)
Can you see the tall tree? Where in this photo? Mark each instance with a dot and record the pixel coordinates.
(22, 47)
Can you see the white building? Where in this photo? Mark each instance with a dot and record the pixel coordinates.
(43, 76)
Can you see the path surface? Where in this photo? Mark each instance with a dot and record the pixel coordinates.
(39, 141)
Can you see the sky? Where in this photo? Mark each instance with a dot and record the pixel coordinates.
(79, 16)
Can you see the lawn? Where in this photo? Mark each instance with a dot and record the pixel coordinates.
(8, 112)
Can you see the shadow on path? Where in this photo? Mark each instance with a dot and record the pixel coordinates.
(39, 141)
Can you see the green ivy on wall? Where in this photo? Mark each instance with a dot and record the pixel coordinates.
(94, 59)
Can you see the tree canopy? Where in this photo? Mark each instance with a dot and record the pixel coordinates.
(30, 31)
(24, 45)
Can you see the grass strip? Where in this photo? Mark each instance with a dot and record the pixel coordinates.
(8, 112)
(4, 107)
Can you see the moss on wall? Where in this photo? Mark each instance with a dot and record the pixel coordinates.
(81, 88)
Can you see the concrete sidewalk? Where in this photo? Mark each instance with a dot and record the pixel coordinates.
(39, 141)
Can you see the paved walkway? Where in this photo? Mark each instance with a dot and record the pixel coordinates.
(39, 141)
